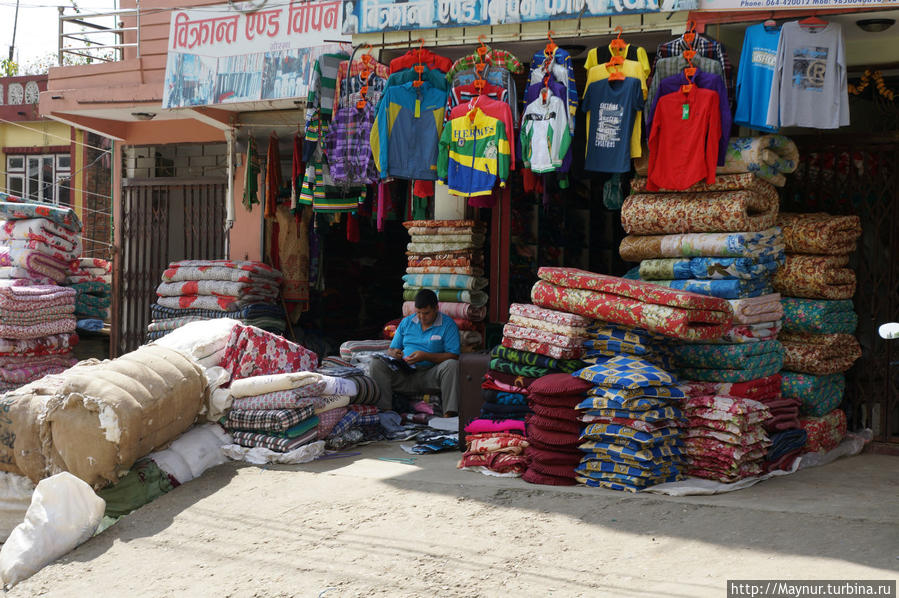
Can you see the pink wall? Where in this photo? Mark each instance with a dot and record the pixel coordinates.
(246, 235)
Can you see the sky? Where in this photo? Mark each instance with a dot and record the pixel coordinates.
(38, 29)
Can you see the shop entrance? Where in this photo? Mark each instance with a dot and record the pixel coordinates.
(844, 176)
(163, 220)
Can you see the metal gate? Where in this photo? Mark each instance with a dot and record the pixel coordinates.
(840, 176)
(163, 220)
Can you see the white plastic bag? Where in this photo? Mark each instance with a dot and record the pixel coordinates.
(193, 453)
(201, 339)
(15, 496)
(64, 512)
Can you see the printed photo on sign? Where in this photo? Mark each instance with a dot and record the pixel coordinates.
(190, 80)
(286, 74)
(810, 68)
(239, 79)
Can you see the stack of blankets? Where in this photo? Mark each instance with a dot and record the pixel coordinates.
(205, 289)
(447, 256)
(717, 240)
(819, 318)
(554, 431)
(633, 434)
(547, 332)
(37, 327)
(38, 242)
(92, 280)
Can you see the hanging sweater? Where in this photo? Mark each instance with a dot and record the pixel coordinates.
(545, 136)
(406, 132)
(473, 154)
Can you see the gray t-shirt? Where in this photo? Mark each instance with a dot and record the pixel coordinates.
(809, 87)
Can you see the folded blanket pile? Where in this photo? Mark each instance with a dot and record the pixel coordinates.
(193, 290)
(92, 280)
(824, 433)
(447, 257)
(495, 453)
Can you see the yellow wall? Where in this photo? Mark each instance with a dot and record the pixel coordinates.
(44, 133)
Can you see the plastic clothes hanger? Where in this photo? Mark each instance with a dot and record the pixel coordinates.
(550, 50)
(367, 59)
(812, 22)
(419, 68)
(618, 45)
(480, 82)
(690, 35)
(615, 63)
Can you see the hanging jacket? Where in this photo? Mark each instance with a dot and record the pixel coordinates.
(494, 75)
(545, 137)
(406, 132)
(563, 58)
(473, 154)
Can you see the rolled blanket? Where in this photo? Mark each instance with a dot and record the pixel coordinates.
(745, 181)
(754, 310)
(706, 268)
(440, 260)
(733, 288)
(217, 288)
(762, 244)
(476, 298)
(466, 270)
(528, 358)
(818, 316)
(820, 233)
(632, 303)
(815, 277)
(819, 394)
(542, 348)
(768, 157)
(91, 263)
(444, 281)
(824, 433)
(15, 208)
(35, 261)
(465, 311)
(664, 213)
(819, 354)
(723, 356)
(562, 341)
(441, 247)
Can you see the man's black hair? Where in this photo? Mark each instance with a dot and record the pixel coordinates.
(425, 298)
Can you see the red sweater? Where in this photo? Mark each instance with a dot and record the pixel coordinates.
(423, 56)
(683, 144)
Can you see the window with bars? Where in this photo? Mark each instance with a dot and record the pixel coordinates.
(40, 177)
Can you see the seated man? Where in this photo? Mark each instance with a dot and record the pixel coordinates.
(429, 342)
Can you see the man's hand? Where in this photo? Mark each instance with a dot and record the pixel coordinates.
(395, 353)
(416, 357)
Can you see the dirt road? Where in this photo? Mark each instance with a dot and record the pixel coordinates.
(364, 527)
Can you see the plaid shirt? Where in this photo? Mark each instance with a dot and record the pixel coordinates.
(348, 148)
(346, 422)
(674, 65)
(705, 47)
(276, 420)
(494, 57)
(365, 409)
(349, 95)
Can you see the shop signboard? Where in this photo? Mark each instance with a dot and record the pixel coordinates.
(793, 4)
(376, 16)
(223, 54)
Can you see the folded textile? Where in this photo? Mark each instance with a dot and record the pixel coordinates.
(60, 326)
(445, 261)
(476, 239)
(632, 303)
(88, 300)
(34, 261)
(819, 394)
(745, 181)
(768, 157)
(542, 348)
(732, 288)
(91, 311)
(754, 310)
(273, 443)
(217, 288)
(442, 224)
(820, 233)
(35, 277)
(44, 345)
(820, 354)
(509, 379)
(465, 311)
(251, 351)
(819, 316)
(444, 230)
(534, 312)
(549, 327)
(758, 389)
(25, 373)
(476, 298)
(786, 442)
(209, 302)
(752, 333)
(251, 267)
(61, 254)
(92, 287)
(269, 420)
(563, 341)
(626, 372)
(706, 268)
(815, 277)
(481, 426)
(763, 244)
(824, 433)
(279, 399)
(759, 367)
(528, 358)
(465, 270)
(497, 411)
(517, 369)
(666, 213)
(444, 281)
(502, 463)
(220, 273)
(504, 397)
(723, 356)
(91, 263)
(443, 247)
(255, 310)
(42, 230)
(14, 208)
(27, 318)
